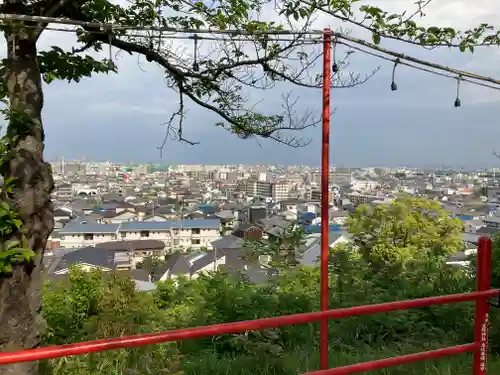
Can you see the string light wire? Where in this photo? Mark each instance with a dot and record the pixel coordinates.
(423, 69)
(308, 40)
(112, 26)
(238, 35)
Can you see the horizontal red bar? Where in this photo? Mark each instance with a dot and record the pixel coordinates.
(228, 328)
(396, 361)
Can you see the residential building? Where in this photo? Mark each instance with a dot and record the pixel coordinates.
(84, 234)
(176, 234)
(281, 191)
(63, 191)
(263, 189)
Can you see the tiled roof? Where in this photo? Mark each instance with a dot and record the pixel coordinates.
(137, 226)
(89, 228)
(134, 226)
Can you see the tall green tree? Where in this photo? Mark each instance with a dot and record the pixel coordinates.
(284, 250)
(151, 264)
(407, 229)
(215, 83)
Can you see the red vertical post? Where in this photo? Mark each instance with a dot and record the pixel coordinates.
(483, 279)
(325, 169)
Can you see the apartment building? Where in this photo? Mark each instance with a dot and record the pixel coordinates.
(63, 191)
(254, 188)
(86, 234)
(281, 191)
(175, 234)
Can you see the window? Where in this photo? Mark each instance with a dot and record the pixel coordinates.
(195, 242)
(144, 233)
(176, 242)
(123, 234)
(195, 231)
(88, 236)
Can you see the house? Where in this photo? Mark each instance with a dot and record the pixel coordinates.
(492, 222)
(57, 264)
(120, 217)
(192, 265)
(115, 205)
(470, 239)
(61, 218)
(487, 231)
(310, 257)
(176, 234)
(138, 248)
(227, 218)
(156, 218)
(227, 260)
(83, 234)
(248, 232)
(81, 206)
(461, 258)
(228, 242)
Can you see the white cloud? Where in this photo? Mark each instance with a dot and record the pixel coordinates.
(142, 94)
(454, 13)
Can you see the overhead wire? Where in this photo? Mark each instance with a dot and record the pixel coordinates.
(182, 37)
(243, 36)
(112, 26)
(389, 36)
(427, 70)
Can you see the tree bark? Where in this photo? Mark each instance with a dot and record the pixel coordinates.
(21, 323)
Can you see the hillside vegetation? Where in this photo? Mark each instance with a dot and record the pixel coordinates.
(92, 305)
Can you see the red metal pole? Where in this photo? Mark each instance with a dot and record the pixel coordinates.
(325, 171)
(396, 361)
(483, 279)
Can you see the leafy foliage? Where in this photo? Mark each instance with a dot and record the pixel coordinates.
(283, 249)
(151, 264)
(97, 305)
(405, 230)
(13, 247)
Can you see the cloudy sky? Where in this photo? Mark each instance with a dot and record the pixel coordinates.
(119, 117)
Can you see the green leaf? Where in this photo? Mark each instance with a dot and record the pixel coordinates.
(376, 38)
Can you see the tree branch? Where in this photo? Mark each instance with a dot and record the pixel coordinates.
(173, 131)
(212, 88)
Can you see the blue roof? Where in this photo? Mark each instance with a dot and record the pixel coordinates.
(464, 217)
(205, 205)
(207, 208)
(308, 216)
(317, 228)
(89, 228)
(134, 226)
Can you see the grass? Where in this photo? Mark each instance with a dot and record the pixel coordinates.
(301, 361)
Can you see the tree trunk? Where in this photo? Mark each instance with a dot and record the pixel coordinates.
(21, 323)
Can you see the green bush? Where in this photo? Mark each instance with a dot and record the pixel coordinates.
(91, 305)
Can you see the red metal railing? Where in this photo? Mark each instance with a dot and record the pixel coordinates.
(482, 296)
(479, 347)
